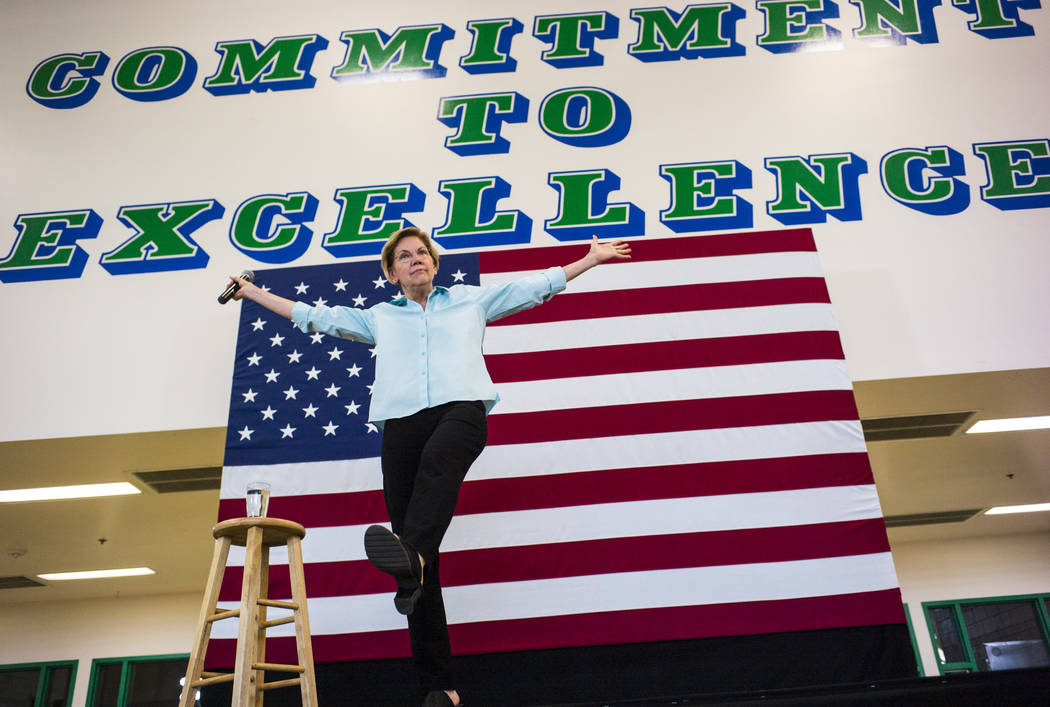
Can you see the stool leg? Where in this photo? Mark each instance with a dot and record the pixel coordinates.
(302, 622)
(211, 598)
(244, 681)
(264, 593)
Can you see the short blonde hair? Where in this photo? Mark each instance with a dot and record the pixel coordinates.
(387, 256)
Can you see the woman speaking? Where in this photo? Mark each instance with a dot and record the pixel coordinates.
(430, 397)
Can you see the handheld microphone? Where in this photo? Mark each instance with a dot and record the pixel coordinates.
(228, 293)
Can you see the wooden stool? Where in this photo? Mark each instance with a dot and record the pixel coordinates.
(257, 535)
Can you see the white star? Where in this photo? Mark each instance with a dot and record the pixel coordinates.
(312, 374)
(334, 354)
(351, 409)
(264, 288)
(332, 390)
(287, 431)
(379, 282)
(341, 285)
(359, 301)
(272, 376)
(370, 386)
(257, 325)
(396, 295)
(330, 429)
(320, 302)
(245, 434)
(354, 370)
(309, 410)
(290, 393)
(294, 356)
(316, 337)
(276, 340)
(372, 351)
(268, 413)
(458, 276)
(301, 288)
(249, 397)
(254, 359)
(372, 428)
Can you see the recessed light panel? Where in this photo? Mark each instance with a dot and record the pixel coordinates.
(58, 493)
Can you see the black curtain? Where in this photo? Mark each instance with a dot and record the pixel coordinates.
(624, 671)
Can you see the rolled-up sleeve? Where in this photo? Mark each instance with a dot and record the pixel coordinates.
(509, 297)
(344, 322)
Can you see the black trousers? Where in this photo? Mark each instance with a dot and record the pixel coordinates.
(425, 457)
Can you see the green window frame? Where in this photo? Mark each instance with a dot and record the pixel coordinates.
(914, 643)
(953, 611)
(127, 664)
(46, 669)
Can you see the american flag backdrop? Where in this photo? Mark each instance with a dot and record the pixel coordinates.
(677, 454)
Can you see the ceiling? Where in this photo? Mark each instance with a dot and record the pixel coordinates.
(170, 532)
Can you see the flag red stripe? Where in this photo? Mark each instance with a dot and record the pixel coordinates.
(609, 555)
(644, 250)
(671, 416)
(673, 298)
(585, 488)
(664, 356)
(639, 626)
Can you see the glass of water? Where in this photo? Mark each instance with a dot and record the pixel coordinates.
(258, 499)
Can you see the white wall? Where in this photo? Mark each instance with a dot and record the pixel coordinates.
(97, 628)
(945, 570)
(915, 294)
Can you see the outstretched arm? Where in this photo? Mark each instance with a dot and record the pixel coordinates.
(274, 303)
(599, 253)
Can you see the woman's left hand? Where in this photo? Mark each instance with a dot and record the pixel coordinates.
(617, 249)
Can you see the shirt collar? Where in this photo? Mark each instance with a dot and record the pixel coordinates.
(402, 300)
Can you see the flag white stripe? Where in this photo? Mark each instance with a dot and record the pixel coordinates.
(567, 456)
(668, 326)
(679, 384)
(622, 591)
(544, 526)
(687, 271)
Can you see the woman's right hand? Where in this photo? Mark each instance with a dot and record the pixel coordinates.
(244, 289)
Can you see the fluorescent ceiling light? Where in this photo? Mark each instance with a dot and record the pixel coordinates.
(1027, 508)
(1009, 424)
(98, 574)
(56, 493)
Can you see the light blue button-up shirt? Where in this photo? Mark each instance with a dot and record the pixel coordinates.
(427, 357)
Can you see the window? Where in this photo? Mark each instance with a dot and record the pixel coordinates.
(979, 635)
(37, 684)
(144, 681)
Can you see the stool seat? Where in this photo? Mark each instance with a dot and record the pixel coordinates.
(257, 536)
(276, 531)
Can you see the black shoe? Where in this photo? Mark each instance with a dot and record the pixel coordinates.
(388, 554)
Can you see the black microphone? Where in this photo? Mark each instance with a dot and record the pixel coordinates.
(227, 294)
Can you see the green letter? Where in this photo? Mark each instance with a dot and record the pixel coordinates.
(699, 30)
(368, 215)
(282, 64)
(372, 52)
(810, 188)
(162, 241)
(1018, 173)
(796, 25)
(46, 247)
(472, 219)
(894, 21)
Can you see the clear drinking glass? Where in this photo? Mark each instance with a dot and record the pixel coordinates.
(257, 499)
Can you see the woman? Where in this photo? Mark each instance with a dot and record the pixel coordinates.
(431, 395)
